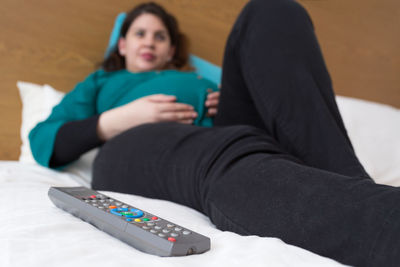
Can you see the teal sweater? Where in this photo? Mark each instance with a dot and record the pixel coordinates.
(102, 91)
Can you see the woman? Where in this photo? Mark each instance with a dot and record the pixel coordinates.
(294, 176)
(130, 90)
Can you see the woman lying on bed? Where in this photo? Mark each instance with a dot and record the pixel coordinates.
(278, 161)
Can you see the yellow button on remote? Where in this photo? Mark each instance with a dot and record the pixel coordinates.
(138, 220)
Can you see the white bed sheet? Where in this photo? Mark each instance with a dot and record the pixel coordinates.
(33, 232)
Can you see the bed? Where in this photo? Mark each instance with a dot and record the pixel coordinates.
(33, 232)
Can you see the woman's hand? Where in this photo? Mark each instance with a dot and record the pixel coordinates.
(148, 109)
(212, 103)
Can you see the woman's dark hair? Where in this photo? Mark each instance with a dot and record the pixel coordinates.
(116, 62)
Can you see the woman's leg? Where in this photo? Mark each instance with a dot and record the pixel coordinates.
(239, 178)
(351, 220)
(275, 78)
(167, 160)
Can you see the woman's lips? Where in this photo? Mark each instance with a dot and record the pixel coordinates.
(148, 56)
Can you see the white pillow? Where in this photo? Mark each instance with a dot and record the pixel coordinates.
(373, 128)
(37, 104)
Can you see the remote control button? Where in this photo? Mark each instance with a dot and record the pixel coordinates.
(170, 225)
(87, 201)
(118, 203)
(161, 235)
(154, 218)
(128, 220)
(94, 205)
(150, 224)
(178, 229)
(153, 231)
(166, 231)
(171, 239)
(115, 212)
(145, 227)
(157, 227)
(93, 196)
(124, 206)
(112, 207)
(101, 207)
(102, 200)
(122, 209)
(145, 219)
(138, 213)
(174, 234)
(138, 220)
(186, 232)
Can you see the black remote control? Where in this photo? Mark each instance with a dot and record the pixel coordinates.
(138, 228)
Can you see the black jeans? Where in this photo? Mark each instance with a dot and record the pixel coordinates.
(278, 163)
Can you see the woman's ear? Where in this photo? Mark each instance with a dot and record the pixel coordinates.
(122, 46)
(171, 53)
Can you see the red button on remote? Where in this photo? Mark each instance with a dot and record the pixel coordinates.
(171, 239)
(92, 196)
(154, 218)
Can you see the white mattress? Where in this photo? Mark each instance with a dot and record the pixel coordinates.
(33, 232)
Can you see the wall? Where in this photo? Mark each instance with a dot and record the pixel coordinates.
(60, 42)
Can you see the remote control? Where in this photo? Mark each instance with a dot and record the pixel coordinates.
(138, 228)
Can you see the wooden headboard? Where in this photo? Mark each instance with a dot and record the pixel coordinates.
(60, 42)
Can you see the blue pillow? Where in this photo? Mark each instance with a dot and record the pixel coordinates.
(203, 68)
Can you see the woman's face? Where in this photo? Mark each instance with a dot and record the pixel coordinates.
(147, 44)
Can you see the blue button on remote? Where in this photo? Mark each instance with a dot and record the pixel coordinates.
(139, 213)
